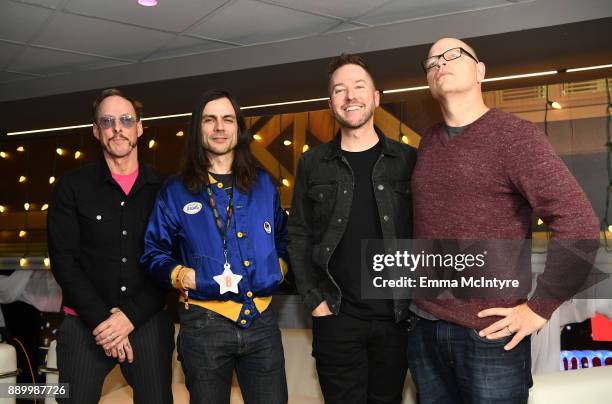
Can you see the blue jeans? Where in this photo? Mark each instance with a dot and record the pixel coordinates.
(211, 347)
(453, 364)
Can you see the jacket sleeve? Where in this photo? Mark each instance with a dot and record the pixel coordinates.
(555, 196)
(63, 236)
(301, 241)
(160, 241)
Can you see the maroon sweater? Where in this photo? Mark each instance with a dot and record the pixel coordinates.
(484, 185)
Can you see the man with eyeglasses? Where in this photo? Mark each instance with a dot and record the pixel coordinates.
(480, 175)
(96, 224)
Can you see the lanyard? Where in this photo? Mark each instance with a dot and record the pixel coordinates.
(223, 231)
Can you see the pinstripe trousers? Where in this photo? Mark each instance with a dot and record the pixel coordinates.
(84, 365)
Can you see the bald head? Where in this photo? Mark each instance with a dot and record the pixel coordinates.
(444, 44)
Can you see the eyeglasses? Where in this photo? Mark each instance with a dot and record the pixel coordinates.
(451, 54)
(108, 122)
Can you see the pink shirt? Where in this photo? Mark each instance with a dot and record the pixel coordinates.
(126, 182)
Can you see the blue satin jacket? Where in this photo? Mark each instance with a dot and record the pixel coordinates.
(182, 231)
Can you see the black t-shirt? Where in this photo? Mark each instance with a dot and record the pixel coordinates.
(226, 179)
(363, 223)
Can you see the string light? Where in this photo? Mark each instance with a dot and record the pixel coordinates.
(180, 133)
(285, 182)
(44, 207)
(20, 149)
(22, 178)
(22, 233)
(152, 143)
(26, 206)
(3, 154)
(540, 222)
(23, 261)
(47, 261)
(51, 180)
(2, 208)
(287, 142)
(610, 228)
(60, 151)
(554, 105)
(405, 139)
(257, 137)
(78, 154)
(305, 148)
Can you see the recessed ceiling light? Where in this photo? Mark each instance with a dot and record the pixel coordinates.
(147, 3)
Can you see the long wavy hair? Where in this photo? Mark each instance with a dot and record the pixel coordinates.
(195, 162)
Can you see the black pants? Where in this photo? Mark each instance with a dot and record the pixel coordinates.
(84, 365)
(359, 361)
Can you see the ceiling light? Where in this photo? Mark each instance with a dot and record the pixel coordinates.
(47, 262)
(2, 208)
(405, 139)
(285, 182)
(287, 142)
(305, 148)
(26, 206)
(257, 137)
(151, 143)
(22, 233)
(520, 76)
(44, 207)
(20, 149)
(540, 222)
(78, 154)
(23, 261)
(51, 179)
(580, 69)
(554, 105)
(22, 178)
(147, 3)
(3, 154)
(60, 151)
(179, 133)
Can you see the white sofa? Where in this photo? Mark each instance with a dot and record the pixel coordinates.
(584, 386)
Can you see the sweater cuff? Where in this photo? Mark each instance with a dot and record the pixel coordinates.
(544, 307)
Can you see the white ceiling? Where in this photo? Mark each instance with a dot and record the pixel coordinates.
(45, 44)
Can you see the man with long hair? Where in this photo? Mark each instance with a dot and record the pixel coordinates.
(114, 310)
(217, 234)
(354, 188)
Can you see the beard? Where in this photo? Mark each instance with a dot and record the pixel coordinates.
(354, 125)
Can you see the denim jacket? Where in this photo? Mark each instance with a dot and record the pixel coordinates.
(321, 205)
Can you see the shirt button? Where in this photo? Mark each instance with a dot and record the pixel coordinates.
(247, 312)
(219, 185)
(339, 220)
(327, 249)
(99, 217)
(122, 203)
(381, 187)
(345, 192)
(321, 196)
(247, 263)
(124, 232)
(243, 322)
(124, 260)
(249, 294)
(240, 234)
(386, 218)
(123, 288)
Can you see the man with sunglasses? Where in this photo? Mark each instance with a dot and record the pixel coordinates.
(96, 224)
(480, 175)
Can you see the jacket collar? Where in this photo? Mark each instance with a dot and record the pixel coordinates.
(334, 150)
